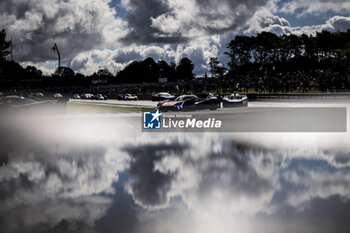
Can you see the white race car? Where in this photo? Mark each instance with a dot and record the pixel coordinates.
(130, 97)
(235, 100)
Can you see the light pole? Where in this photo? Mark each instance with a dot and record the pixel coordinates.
(55, 48)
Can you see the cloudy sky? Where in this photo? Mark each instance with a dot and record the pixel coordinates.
(99, 34)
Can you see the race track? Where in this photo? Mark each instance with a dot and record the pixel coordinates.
(316, 116)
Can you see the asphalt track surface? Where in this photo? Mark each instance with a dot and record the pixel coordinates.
(112, 102)
(280, 116)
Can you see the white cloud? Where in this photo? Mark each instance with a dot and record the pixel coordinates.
(315, 7)
(334, 24)
(91, 61)
(75, 26)
(337, 23)
(264, 20)
(47, 67)
(197, 18)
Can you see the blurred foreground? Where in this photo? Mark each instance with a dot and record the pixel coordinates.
(99, 173)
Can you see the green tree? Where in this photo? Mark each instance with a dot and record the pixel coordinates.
(185, 69)
(63, 76)
(240, 53)
(167, 71)
(150, 70)
(266, 48)
(64, 72)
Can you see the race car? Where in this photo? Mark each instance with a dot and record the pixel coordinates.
(101, 97)
(57, 96)
(188, 103)
(235, 100)
(127, 97)
(76, 96)
(88, 96)
(162, 96)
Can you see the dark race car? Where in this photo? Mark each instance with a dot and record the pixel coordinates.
(162, 96)
(188, 103)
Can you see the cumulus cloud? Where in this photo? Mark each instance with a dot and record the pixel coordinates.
(264, 20)
(139, 21)
(74, 25)
(196, 18)
(93, 60)
(334, 24)
(315, 7)
(337, 23)
(182, 28)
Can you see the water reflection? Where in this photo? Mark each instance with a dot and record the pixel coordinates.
(84, 174)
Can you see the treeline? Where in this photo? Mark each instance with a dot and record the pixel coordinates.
(146, 71)
(13, 74)
(268, 53)
(264, 62)
(149, 71)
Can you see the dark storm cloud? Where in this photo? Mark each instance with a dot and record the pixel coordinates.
(210, 19)
(36, 25)
(124, 57)
(139, 21)
(242, 10)
(18, 10)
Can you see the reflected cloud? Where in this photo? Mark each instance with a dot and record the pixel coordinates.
(99, 173)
